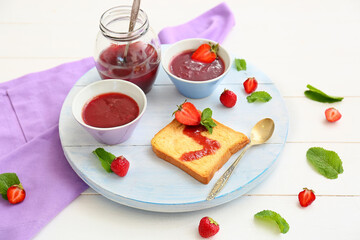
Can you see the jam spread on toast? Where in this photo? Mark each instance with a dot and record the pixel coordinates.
(210, 146)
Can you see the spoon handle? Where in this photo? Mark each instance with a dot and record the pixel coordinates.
(134, 13)
(220, 184)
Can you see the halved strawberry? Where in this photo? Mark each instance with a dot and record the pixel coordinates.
(206, 53)
(332, 114)
(306, 197)
(16, 194)
(250, 85)
(187, 114)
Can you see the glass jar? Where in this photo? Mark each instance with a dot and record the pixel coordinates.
(140, 65)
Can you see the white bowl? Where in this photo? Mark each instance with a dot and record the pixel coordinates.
(113, 135)
(188, 88)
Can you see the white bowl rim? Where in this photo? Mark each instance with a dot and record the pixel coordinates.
(101, 82)
(191, 81)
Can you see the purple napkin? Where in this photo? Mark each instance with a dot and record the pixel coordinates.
(33, 102)
(30, 147)
(48, 180)
(29, 141)
(214, 24)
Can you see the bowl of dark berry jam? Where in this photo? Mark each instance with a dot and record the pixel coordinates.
(196, 66)
(109, 110)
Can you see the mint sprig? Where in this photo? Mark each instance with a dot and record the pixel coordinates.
(240, 64)
(7, 180)
(274, 216)
(105, 158)
(319, 96)
(259, 96)
(326, 162)
(206, 120)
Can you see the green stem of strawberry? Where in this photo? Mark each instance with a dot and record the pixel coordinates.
(214, 48)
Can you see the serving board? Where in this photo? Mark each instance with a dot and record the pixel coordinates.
(154, 184)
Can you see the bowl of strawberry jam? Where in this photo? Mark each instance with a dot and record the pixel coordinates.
(109, 110)
(194, 71)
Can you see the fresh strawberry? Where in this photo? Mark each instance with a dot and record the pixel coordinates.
(16, 194)
(187, 114)
(306, 197)
(120, 166)
(206, 53)
(332, 114)
(208, 227)
(228, 98)
(250, 85)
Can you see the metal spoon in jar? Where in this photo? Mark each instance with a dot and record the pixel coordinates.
(260, 133)
(134, 13)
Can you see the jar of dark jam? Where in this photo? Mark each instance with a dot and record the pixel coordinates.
(141, 47)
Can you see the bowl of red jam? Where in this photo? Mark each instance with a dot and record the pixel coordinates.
(195, 79)
(109, 110)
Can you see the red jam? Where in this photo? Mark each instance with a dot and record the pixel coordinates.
(184, 67)
(110, 110)
(209, 146)
(140, 67)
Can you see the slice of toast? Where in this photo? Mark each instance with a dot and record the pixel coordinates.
(170, 143)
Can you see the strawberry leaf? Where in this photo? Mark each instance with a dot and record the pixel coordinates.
(105, 158)
(214, 47)
(274, 216)
(7, 180)
(207, 121)
(212, 221)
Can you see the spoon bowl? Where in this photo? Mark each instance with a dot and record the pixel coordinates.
(260, 133)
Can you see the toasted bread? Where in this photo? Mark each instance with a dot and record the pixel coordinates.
(170, 143)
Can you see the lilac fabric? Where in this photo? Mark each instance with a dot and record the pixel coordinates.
(29, 140)
(30, 147)
(214, 24)
(48, 180)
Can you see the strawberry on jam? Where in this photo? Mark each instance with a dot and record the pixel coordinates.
(189, 65)
(206, 53)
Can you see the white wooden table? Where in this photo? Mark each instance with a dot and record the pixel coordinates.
(294, 42)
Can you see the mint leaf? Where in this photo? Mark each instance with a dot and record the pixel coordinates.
(260, 96)
(327, 163)
(206, 113)
(319, 96)
(206, 120)
(273, 216)
(105, 158)
(6, 181)
(240, 64)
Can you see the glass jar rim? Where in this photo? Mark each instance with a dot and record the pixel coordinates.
(123, 35)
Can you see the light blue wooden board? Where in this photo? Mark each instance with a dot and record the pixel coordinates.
(155, 185)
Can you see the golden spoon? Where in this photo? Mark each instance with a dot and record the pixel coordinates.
(260, 133)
